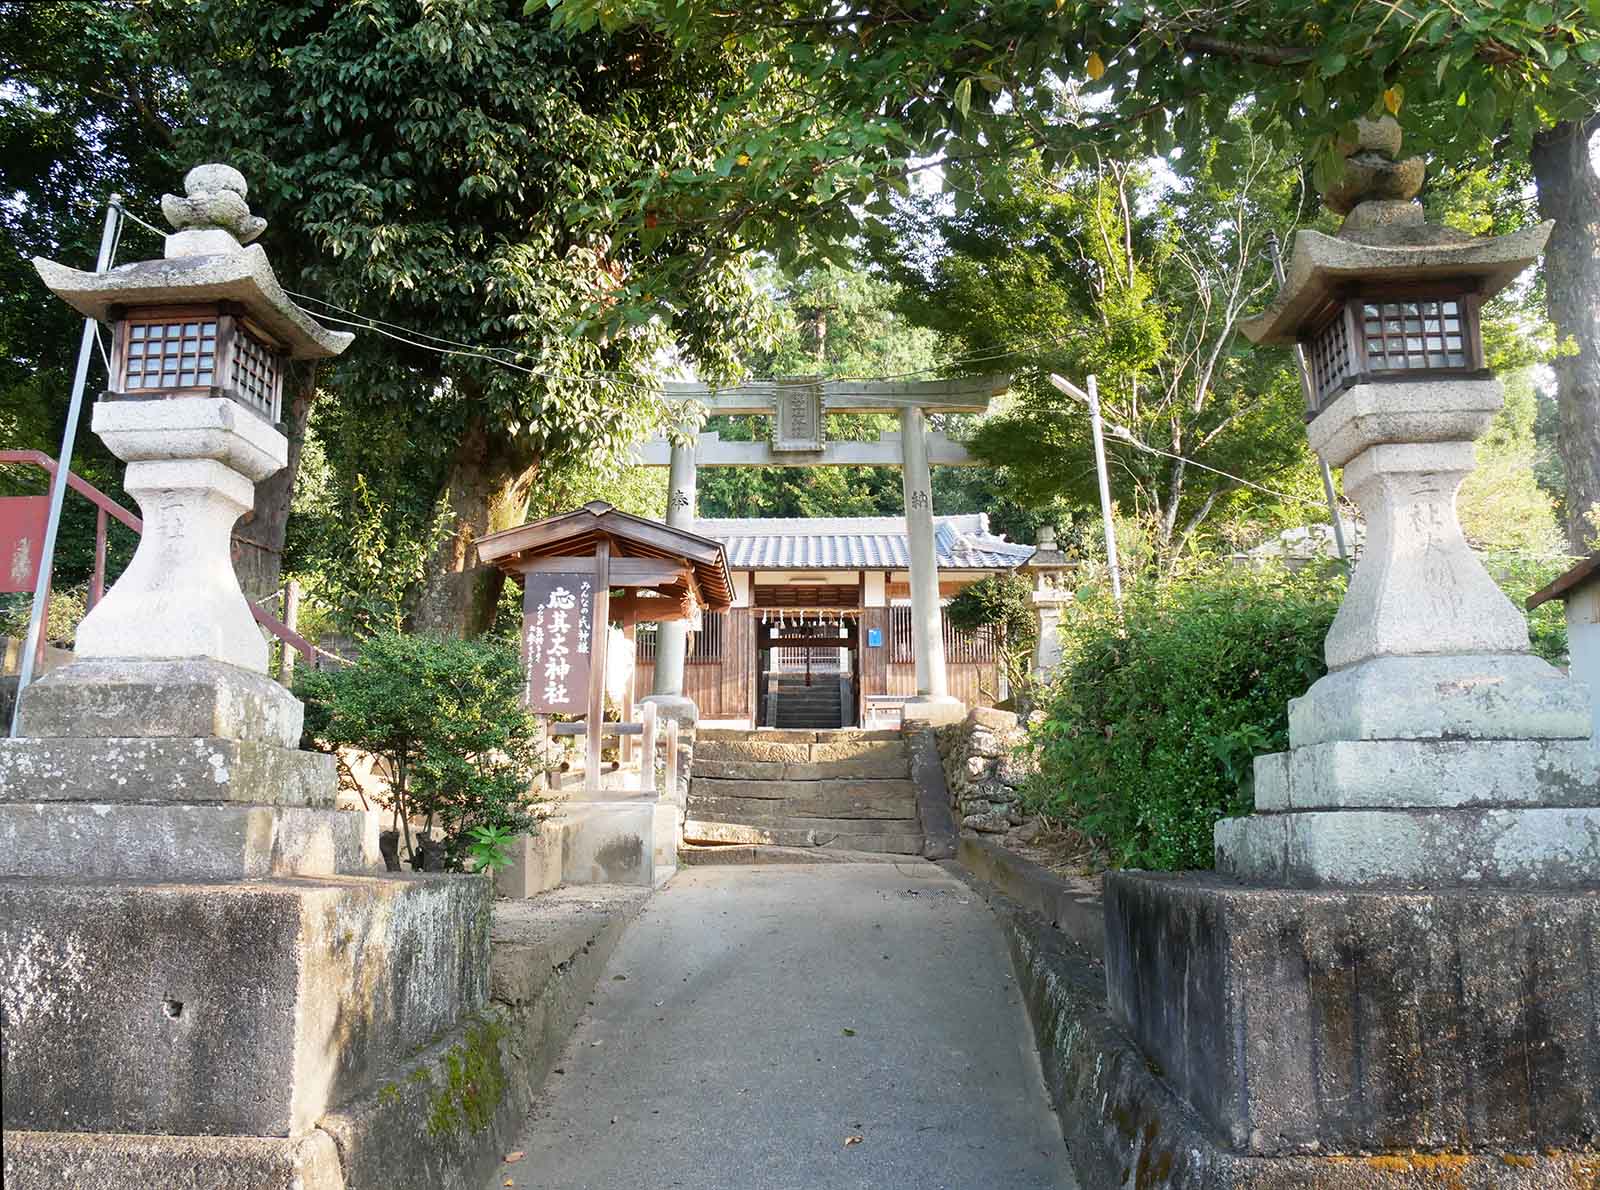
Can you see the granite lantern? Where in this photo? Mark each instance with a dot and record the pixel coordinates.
(207, 978)
(1390, 973)
(202, 340)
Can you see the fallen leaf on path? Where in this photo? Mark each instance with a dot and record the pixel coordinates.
(514, 1157)
(849, 1032)
(618, 978)
(853, 1140)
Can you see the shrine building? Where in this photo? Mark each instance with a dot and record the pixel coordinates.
(820, 632)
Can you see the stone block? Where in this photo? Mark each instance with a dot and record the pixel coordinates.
(993, 718)
(1428, 774)
(123, 841)
(1341, 1021)
(121, 699)
(1469, 697)
(535, 865)
(979, 768)
(621, 842)
(164, 769)
(1536, 847)
(995, 822)
(96, 1161)
(1125, 1127)
(247, 1008)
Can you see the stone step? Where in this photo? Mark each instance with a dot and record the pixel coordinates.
(770, 735)
(872, 753)
(890, 765)
(898, 837)
(739, 809)
(720, 854)
(805, 792)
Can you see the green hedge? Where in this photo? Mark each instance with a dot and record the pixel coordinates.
(1150, 731)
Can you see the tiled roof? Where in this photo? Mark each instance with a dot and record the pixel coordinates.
(858, 543)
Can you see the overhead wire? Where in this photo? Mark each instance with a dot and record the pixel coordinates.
(410, 336)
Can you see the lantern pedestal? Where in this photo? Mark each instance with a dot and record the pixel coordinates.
(193, 463)
(1438, 743)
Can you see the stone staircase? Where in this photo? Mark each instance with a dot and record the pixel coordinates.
(798, 706)
(833, 792)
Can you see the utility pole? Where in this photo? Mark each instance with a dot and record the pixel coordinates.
(1305, 391)
(1092, 399)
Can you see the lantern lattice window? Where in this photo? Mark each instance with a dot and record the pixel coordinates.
(1407, 335)
(170, 355)
(255, 375)
(1330, 358)
(197, 350)
(1391, 336)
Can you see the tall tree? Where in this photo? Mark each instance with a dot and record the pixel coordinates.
(1150, 304)
(843, 102)
(433, 166)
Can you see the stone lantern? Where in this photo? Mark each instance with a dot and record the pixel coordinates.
(206, 973)
(201, 341)
(1391, 970)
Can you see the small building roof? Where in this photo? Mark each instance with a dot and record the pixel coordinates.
(1567, 583)
(575, 534)
(859, 543)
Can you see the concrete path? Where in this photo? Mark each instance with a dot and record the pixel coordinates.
(754, 1020)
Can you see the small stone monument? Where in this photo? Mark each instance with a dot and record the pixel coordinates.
(205, 978)
(1396, 956)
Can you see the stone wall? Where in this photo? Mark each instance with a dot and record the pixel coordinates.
(984, 770)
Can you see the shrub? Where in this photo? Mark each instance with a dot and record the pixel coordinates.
(446, 717)
(1151, 726)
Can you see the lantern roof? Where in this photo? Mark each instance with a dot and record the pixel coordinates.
(1385, 240)
(206, 260)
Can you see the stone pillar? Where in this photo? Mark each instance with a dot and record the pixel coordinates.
(933, 702)
(672, 636)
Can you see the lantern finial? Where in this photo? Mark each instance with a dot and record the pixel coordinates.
(1376, 179)
(213, 216)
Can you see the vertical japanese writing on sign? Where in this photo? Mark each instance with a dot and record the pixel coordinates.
(555, 677)
(585, 616)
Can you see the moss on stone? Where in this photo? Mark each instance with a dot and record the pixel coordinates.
(474, 1083)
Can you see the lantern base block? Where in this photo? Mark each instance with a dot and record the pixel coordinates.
(1450, 1028)
(1528, 847)
(115, 698)
(1475, 696)
(109, 841)
(199, 770)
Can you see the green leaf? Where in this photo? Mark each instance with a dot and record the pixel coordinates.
(964, 96)
(1540, 16)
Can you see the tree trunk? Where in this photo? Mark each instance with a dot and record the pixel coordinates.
(1569, 193)
(487, 490)
(258, 537)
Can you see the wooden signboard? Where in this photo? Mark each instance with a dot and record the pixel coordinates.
(558, 631)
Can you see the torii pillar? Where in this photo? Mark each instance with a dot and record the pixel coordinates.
(933, 703)
(672, 637)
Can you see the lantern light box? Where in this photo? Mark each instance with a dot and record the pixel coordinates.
(213, 349)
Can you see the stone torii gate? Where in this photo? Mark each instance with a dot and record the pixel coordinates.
(799, 407)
